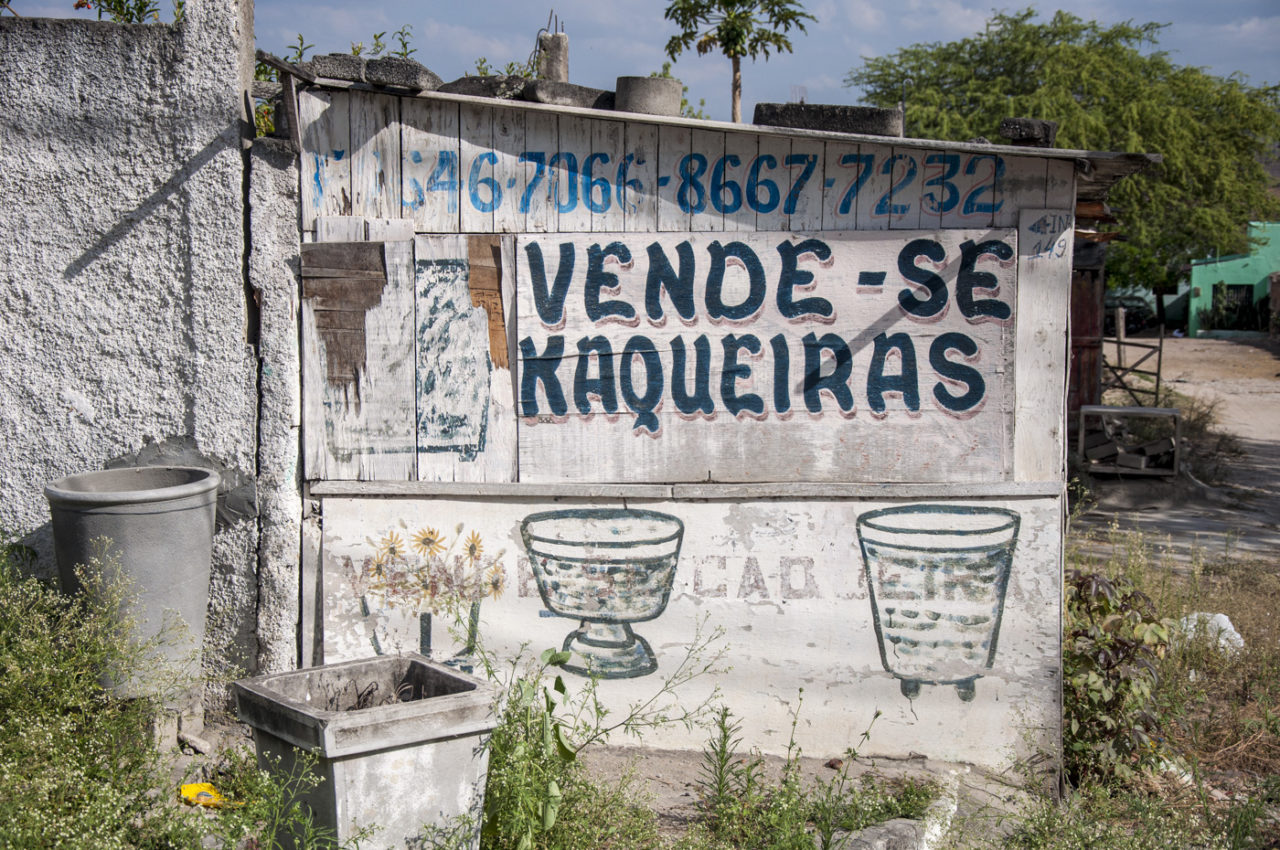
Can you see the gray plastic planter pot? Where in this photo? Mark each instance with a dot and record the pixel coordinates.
(400, 743)
(159, 520)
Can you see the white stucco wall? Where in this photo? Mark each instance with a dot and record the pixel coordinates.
(127, 335)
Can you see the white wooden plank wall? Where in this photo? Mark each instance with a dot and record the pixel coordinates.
(473, 168)
(375, 156)
(324, 120)
(429, 164)
(579, 424)
(364, 429)
(1045, 240)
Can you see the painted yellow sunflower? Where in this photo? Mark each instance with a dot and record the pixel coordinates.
(392, 546)
(474, 548)
(428, 542)
(495, 581)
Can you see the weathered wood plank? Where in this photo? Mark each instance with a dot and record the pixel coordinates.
(725, 492)
(358, 381)
(575, 148)
(341, 228)
(705, 210)
(844, 173)
(872, 200)
(740, 151)
(429, 168)
(465, 418)
(375, 155)
(537, 196)
(768, 182)
(674, 145)
(508, 145)
(477, 189)
(1021, 185)
(638, 183)
(804, 200)
(389, 229)
(830, 370)
(325, 121)
(599, 172)
(905, 171)
(1045, 239)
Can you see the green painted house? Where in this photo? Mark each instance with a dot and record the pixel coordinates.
(1232, 292)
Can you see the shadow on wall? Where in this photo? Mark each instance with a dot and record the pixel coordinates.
(228, 139)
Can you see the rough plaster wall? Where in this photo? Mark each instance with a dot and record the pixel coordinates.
(273, 272)
(126, 324)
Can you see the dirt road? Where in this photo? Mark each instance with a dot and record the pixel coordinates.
(1241, 513)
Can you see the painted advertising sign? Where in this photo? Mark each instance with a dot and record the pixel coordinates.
(940, 613)
(612, 385)
(850, 355)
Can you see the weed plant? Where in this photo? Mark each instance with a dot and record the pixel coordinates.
(1176, 735)
(79, 765)
(745, 810)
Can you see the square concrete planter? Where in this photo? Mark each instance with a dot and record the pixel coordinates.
(400, 740)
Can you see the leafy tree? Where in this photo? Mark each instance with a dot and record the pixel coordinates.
(1109, 90)
(738, 28)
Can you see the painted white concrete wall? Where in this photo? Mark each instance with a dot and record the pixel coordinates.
(127, 335)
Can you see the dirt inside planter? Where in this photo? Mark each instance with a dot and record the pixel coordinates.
(371, 685)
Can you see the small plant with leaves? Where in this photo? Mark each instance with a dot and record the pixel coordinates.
(1112, 642)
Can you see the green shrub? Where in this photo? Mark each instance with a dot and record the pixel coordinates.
(1112, 639)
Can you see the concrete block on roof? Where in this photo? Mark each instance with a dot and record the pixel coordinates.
(338, 66)
(553, 57)
(568, 94)
(401, 72)
(1029, 132)
(834, 118)
(501, 86)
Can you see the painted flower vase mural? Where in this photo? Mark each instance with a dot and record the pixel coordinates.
(607, 568)
(425, 573)
(937, 576)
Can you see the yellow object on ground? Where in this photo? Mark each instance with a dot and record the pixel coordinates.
(202, 794)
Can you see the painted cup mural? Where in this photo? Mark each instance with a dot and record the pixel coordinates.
(937, 576)
(608, 568)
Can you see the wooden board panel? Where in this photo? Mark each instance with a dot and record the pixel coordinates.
(674, 145)
(1045, 239)
(1060, 187)
(375, 155)
(979, 177)
(429, 168)
(740, 151)
(575, 148)
(508, 146)
(341, 228)
(537, 195)
(477, 189)
(809, 594)
(465, 415)
(357, 360)
(845, 170)
(768, 182)
(1020, 185)
(803, 203)
(873, 198)
(638, 183)
(821, 349)
(905, 170)
(325, 123)
(706, 210)
(599, 172)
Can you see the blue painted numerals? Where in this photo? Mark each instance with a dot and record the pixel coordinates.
(939, 183)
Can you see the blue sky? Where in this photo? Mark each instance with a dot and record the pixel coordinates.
(612, 38)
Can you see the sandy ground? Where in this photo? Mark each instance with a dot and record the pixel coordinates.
(1239, 514)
